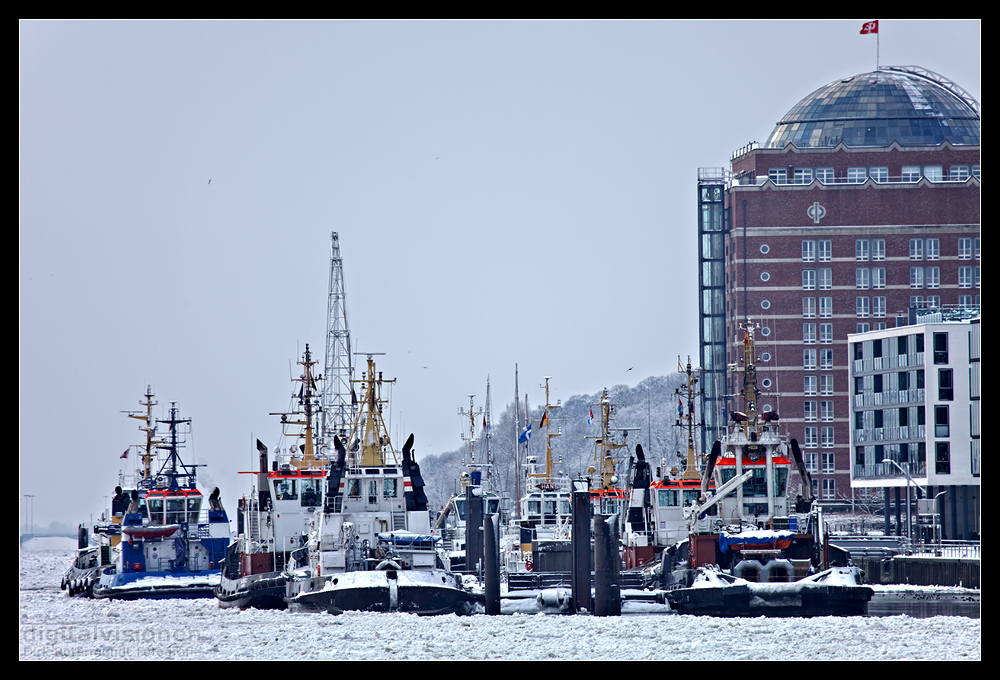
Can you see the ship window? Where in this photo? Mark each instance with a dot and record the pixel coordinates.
(492, 505)
(564, 508)
(354, 488)
(155, 510)
(668, 498)
(285, 490)
(549, 507)
(373, 491)
(460, 507)
(193, 508)
(389, 487)
(312, 492)
(534, 507)
(780, 479)
(175, 510)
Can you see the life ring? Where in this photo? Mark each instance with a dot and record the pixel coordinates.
(528, 565)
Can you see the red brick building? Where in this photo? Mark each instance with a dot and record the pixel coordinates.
(864, 202)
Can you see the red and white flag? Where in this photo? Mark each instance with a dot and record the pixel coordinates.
(869, 27)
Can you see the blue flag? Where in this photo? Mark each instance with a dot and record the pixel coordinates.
(525, 435)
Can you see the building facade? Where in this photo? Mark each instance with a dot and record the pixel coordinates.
(864, 202)
(915, 411)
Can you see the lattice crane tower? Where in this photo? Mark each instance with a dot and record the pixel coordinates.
(338, 407)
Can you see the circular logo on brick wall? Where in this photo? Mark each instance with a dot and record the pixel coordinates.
(816, 212)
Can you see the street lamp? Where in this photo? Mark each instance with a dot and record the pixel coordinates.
(909, 516)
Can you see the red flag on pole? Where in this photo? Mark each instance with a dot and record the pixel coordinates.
(124, 455)
(869, 27)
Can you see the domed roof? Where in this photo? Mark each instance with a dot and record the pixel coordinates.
(902, 104)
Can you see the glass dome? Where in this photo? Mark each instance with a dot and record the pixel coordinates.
(904, 105)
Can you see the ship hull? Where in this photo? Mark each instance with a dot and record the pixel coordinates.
(423, 592)
(157, 585)
(258, 591)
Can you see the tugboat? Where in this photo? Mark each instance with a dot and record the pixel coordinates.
(164, 545)
(372, 547)
(276, 518)
(761, 555)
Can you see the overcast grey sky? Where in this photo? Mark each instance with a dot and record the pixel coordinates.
(505, 192)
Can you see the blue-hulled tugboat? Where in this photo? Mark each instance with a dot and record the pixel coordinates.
(166, 544)
(372, 547)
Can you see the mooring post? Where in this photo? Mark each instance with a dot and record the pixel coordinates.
(607, 584)
(491, 569)
(474, 524)
(581, 546)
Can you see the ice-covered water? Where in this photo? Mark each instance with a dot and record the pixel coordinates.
(54, 626)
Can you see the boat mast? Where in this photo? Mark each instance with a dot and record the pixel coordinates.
(471, 414)
(685, 417)
(339, 410)
(549, 482)
(369, 424)
(150, 429)
(304, 457)
(606, 456)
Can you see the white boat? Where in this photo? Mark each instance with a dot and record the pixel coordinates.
(371, 548)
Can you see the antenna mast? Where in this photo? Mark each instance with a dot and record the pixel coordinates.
(339, 410)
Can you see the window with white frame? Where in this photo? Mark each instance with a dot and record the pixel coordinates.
(911, 173)
(916, 249)
(932, 277)
(824, 250)
(965, 248)
(778, 175)
(915, 301)
(862, 328)
(916, 277)
(965, 301)
(965, 277)
(808, 279)
(934, 301)
(809, 385)
(826, 307)
(826, 411)
(824, 175)
(829, 490)
(933, 173)
(826, 385)
(879, 174)
(826, 359)
(803, 175)
(857, 175)
(862, 278)
(959, 173)
(808, 251)
(808, 308)
(932, 249)
(824, 278)
(811, 460)
(826, 437)
(878, 306)
(809, 411)
(826, 333)
(809, 359)
(878, 249)
(828, 462)
(811, 437)
(861, 308)
(809, 333)
(862, 250)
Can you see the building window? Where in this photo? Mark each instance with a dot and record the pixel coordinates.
(932, 277)
(809, 411)
(811, 436)
(911, 173)
(825, 175)
(941, 428)
(916, 249)
(824, 278)
(878, 249)
(862, 250)
(803, 175)
(826, 411)
(878, 306)
(879, 174)
(808, 279)
(828, 462)
(809, 333)
(916, 277)
(942, 458)
(965, 277)
(946, 388)
(878, 278)
(824, 250)
(808, 251)
(826, 385)
(809, 385)
(778, 175)
(826, 333)
(940, 348)
(965, 248)
(812, 463)
(862, 278)
(809, 306)
(856, 175)
(826, 308)
(932, 249)
(861, 307)
(829, 490)
(809, 359)
(826, 360)
(933, 173)
(959, 173)
(826, 434)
